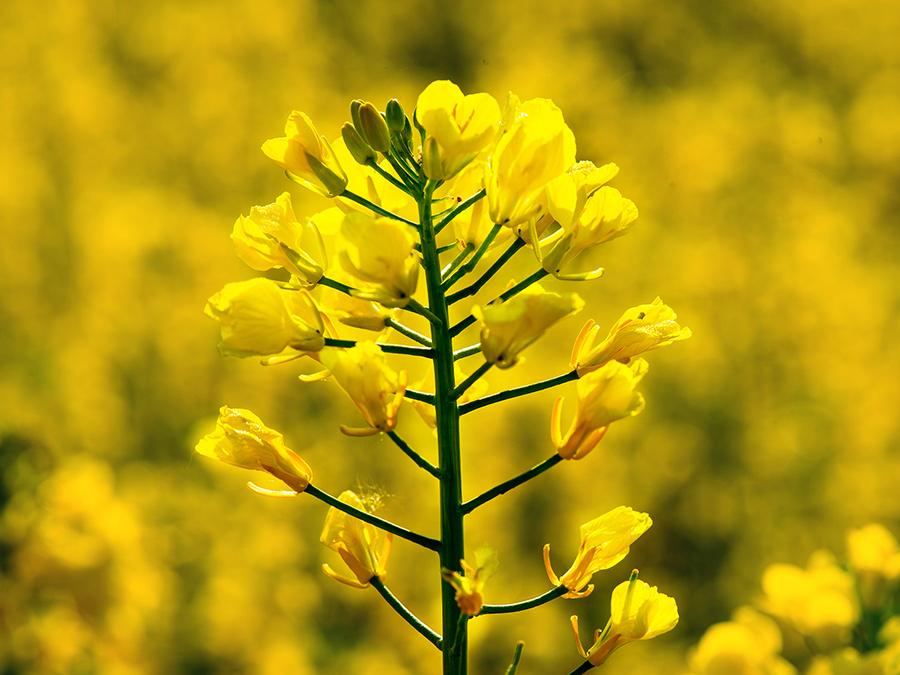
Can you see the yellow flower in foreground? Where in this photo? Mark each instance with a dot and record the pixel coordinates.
(535, 146)
(511, 326)
(874, 556)
(271, 237)
(469, 586)
(242, 440)
(637, 612)
(259, 318)
(820, 601)
(357, 544)
(461, 127)
(364, 375)
(750, 644)
(307, 157)
(380, 252)
(604, 396)
(605, 541)
(640, 329)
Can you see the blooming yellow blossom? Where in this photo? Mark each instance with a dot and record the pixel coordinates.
(640, 329)
(364, 375)
(604, 396)
(874, 556)
(638, 611)
(242, 440)
(749, 644)
(469, 586)
(307, 157)
(820, 601)
(271, 237)
(535, 146)
(357, 544)
(380, 252)
(460, 126)
(605, 541)
(511, 326)
(259, 318)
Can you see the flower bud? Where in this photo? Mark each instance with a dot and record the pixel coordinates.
(362, 152)
(373, 128)
(396, 118)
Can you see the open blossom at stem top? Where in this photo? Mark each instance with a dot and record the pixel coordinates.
(461, 126)
(380, 252)
(638, 611)
(604, 396)
(363, 373)
(271, 237)
(259, 318)
(605, 541)
(535, 146)
(361, 545)
(469, 586)
(509, 327)
(241, 439)
(640, 329)
(307, 157)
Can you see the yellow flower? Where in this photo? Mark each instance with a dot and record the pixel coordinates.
(461, 126)
(604, 396)
(605, 541)
(511, 326)
(750, 644)
(380, 252)
(640, 329)
(535, 146)
(820, 601)
(242, 440)
(271, 237)
(258, 318)
(874, 556)
(357, 544)
(637, 612)
(470, 585)
(307, 157)
(364, 375)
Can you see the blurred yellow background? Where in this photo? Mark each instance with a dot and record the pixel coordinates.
(760, 141)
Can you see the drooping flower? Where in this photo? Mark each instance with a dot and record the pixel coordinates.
(364, 375)
(874, 556)
(604, 396)
(470, 584)
(357, 542)
(509, 327)
(638, 611)
(241, 439)
(259, 318)
(605, 541)
(271, 237)
(380, 252)
(457, 127)
(535, 146)
(307, 157)
(640, 329)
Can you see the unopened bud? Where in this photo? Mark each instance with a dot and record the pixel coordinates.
(431, 159)
(362, 152)
(373, 128)
(396, 118)
(355, 105)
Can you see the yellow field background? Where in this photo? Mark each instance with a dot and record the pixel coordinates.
(760, 141)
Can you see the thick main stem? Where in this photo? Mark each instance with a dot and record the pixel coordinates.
(447, 413)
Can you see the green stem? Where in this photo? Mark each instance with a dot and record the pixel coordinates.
(459, 209)
(337, 285)
(447, 415)
(583, 668)
(386, 348)
(388, 177)
(422, 396)
(508, 485)
(412, 184)
(408, 332)
(466, 351)
(518, 391)
(377, 209)
(525, 604)
(457, 261)
(386, 525)
(408, 616)
(518, 288)
(414, 456)
(471, 379)
(422, 310)
(470, 265)
(514, 666)
(488, 274)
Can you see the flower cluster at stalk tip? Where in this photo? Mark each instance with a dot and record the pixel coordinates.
(426, 210)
